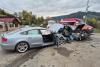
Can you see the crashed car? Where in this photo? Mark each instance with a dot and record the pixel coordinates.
(80, 29)
(57, 30)
(25, 38)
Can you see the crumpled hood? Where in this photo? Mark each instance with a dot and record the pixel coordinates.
(55, 27)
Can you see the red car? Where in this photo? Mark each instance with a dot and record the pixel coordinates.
(75, 22)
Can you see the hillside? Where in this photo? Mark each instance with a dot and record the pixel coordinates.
(79, 15)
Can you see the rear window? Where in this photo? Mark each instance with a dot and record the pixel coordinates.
(12, 32)
(24, 33)
(30, 32)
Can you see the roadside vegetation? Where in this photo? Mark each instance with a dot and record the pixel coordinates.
(97, 30)
(27, 18)
(95, 22)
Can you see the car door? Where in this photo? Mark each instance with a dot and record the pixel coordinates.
(35, 38)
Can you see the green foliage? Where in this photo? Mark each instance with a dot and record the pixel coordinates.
(27, 18)
(92, 21)
(40, 20)
(96, 30)
(95, 22)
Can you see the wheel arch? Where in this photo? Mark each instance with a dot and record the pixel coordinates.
(20, 42)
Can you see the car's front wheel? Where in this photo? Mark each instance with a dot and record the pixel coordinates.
(60, 41)
(22, 47)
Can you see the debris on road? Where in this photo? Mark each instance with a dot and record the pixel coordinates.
(93, 46)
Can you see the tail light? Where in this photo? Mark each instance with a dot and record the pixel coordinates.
(3, 39)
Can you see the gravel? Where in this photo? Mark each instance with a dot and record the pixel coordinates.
(77, 54)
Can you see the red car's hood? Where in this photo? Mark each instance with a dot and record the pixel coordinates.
(87, 27)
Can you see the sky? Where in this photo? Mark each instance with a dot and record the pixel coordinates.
(49, 7)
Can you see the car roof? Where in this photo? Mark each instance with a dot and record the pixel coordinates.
(17, 31)
(29, 28)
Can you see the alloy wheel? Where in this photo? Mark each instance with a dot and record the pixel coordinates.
(22, 47)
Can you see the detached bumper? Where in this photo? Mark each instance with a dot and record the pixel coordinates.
(7, 46)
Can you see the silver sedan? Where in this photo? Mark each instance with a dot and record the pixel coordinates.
(23, 39)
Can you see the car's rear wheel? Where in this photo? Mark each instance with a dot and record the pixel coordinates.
(22, 47)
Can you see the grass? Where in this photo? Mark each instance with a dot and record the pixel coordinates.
(97, 30)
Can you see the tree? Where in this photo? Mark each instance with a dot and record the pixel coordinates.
(40, 20)
(34, 19)
(92, 21)
(26, 17)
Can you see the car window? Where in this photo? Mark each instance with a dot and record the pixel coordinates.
(24, 33)
(33, 32)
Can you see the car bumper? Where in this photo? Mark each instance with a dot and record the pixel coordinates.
(7, 46)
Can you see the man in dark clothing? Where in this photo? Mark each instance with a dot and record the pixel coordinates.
(68, 33)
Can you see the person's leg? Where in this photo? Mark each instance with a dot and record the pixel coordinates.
(71, 37)
(68, 40)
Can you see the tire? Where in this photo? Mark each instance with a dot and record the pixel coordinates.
(22, 47)
(84, 35)
(68, 40)
(60, 41)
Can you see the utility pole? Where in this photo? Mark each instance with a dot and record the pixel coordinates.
(87, 4)
(87, 7)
